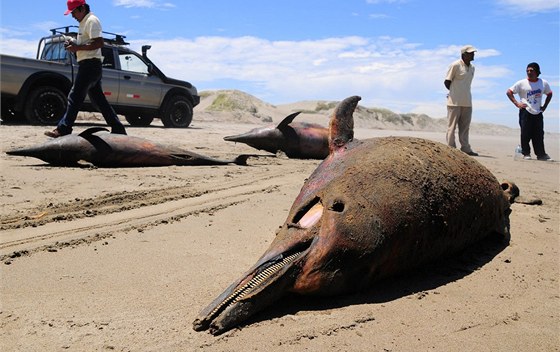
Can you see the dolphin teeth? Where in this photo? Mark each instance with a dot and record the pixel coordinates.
(242, 291)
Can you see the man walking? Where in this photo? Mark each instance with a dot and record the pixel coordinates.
(87, 48)
(459, 101)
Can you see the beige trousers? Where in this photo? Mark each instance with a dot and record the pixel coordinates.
(459, 116)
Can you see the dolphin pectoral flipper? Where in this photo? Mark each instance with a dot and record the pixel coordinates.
(287, 120)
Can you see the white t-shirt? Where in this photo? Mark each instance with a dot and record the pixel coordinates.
(461, 77)
(531, 93)
(89, 28)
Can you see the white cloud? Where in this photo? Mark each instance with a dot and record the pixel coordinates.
(387, 72)
(143, 3)
(378, 16)
(527, 7)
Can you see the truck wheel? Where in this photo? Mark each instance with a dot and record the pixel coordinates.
(139, 121)
(45, 106)
(177, 112)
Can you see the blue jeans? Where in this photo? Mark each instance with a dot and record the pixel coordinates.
(88, 81)
(532, 128)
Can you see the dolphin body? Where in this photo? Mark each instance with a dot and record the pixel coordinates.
(299, 140)
(372, 209)
(115, 150)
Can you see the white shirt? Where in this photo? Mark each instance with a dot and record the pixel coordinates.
(531, 93)
(89, 28)
(461, 77)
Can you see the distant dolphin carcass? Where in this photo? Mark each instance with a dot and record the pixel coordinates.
(298, 140)
(115, 150)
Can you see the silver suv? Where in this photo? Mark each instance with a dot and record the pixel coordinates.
(134, 86)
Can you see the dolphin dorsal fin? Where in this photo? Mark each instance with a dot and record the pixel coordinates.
(287, 120)
(92, 130)
(341, 125)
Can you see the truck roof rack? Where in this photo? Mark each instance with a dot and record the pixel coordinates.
(117, 39)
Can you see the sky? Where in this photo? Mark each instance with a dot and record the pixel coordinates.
(392, 53)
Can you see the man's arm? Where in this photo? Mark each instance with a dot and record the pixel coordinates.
(546, 101)
(93, 44)
(509, 94)
(447, 84)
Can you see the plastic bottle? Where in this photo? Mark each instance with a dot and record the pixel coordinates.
(518, 155)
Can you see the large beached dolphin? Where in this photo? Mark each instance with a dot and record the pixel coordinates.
(100, 148)
(373, 208)
(300, 140)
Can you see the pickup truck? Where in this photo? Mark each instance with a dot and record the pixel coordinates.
(37, 89)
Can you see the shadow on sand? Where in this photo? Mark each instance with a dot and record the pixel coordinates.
(427, 277)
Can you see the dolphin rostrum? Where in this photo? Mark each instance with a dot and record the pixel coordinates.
(115, 150)
(373, 208)
(298, 140)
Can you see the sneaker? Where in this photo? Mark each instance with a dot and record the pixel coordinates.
(545, 158)
(527, 157)
(471, 153)
(54, 133)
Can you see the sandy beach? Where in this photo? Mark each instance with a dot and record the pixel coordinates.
(97, 259)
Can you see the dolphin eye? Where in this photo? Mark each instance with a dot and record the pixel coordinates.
(337, 206)
(310, 215)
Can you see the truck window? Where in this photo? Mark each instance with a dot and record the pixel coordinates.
(133, 63)
(108, 58)
(54, 51)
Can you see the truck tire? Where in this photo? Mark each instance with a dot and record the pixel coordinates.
(45, 106)
(177, 112)
(139, 121)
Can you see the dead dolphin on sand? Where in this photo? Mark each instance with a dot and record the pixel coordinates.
(371, 209)
(115, 150)
(300, 140)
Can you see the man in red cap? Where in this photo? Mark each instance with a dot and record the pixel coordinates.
(87, 48)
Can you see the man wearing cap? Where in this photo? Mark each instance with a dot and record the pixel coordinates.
(530, 91)
(87, 48)
(459, 101)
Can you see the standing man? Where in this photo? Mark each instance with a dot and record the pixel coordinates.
(87, 48)
(530, 91)
(459, 101)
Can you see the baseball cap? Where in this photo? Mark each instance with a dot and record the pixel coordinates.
(468, 49)
(73, 4)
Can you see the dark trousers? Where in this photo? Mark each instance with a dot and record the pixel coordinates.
(532, 129)
(88, 81)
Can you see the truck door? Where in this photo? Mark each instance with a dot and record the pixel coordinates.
(137, 86)
(110, 80)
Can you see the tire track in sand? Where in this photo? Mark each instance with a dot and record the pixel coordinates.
(158, 207)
